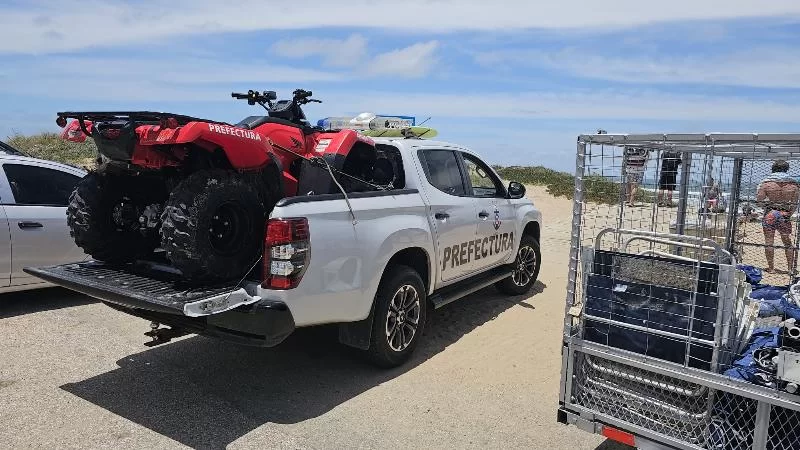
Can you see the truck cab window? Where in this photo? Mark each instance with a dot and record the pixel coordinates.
(484, 183)
(388, 167)
(442, 171)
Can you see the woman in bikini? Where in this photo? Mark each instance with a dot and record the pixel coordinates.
(778, 193)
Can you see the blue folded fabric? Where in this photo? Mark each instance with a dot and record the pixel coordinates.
(752, 273)
(768, 292)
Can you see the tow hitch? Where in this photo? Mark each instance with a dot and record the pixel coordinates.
(162, 335)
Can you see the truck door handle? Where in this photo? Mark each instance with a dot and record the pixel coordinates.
(483, 215)
(24, 225)
(441, 216)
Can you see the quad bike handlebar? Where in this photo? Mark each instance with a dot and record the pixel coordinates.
(254, 97)
(299, 97)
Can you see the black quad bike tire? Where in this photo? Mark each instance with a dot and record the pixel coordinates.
(213, 225)
(388, 350)
(91, 222)
(526, 268)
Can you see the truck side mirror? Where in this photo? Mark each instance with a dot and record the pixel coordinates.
(516, 190)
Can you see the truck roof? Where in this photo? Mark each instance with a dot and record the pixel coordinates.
(409, 145)
(404, 143)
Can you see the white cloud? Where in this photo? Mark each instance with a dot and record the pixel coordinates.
(99, 81)
(604, 105)
(756, 67)
(49, 26)
(81, 80)
(410, 62)
(135, 78)
(334, 52)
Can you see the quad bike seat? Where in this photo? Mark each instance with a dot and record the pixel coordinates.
(253, 122)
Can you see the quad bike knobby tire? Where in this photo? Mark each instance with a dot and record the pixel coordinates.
(213, 225)
(93, 216)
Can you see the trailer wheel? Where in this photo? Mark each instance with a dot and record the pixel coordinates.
(526, 268)
(103, 222)
(400, 314)
(213, 225)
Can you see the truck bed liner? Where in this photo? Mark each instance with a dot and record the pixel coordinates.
(139, 285)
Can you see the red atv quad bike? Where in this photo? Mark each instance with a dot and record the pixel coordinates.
(201, 190)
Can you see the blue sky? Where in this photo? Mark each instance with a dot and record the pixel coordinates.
(517, 81)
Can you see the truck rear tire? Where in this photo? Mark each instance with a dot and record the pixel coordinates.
(98, 224)
(526, 268)
(213, 225)
(400, 314)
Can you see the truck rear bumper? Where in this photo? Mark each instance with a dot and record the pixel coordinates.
(264, 324)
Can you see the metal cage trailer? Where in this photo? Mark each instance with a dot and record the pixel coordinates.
(680, 321)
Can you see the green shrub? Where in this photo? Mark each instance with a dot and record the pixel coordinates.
(52, 147)
(596, 189)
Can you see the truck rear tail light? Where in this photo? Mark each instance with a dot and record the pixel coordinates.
(619, 436)
(286, 253)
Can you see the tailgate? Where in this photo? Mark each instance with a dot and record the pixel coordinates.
(145, 286)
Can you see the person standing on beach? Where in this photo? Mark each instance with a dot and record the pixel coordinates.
(634, 162)
(669, 176)
(778, 193)
(713, 197)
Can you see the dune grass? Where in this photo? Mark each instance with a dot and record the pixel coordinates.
(596, 189)
(50, 146)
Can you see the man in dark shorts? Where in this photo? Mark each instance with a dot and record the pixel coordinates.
(778, 193)
(669, 176)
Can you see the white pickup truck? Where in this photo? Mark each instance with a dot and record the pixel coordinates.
(374, 262)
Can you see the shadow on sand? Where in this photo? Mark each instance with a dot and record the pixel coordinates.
(206, 394)
(26, 302)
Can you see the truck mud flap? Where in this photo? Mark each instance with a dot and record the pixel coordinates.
(145, 286)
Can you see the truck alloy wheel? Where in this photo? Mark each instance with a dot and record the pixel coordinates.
(525, 266)
(399, 320)
(402, 318)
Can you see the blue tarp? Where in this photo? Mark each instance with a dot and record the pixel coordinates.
(745, 368)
